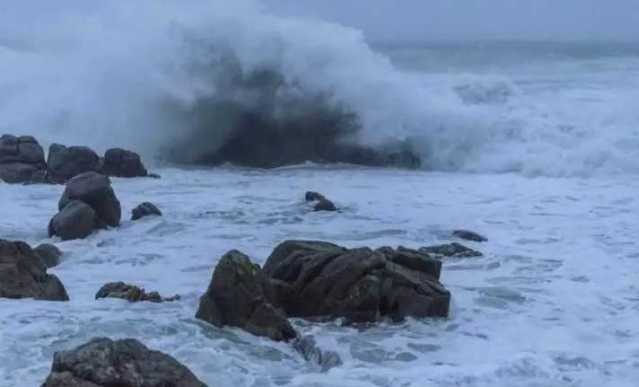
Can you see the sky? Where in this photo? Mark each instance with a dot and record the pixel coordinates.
(401, 20)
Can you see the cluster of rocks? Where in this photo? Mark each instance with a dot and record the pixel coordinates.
(22, 160)
(320, 202)
(88, 203)
(131, 293)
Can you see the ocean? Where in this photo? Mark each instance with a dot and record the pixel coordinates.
(533, 144)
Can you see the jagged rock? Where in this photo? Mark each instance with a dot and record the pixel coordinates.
(123, 163)
(66, 162)
(469, 236)
(451, 250)
(23, 275)
(237, 297)
(315, 279)
(76, 220)
(103, 362)
(95, 190)
(308, 348)
(130, 293)
(21, 160)
(145, 209)
(49, 254)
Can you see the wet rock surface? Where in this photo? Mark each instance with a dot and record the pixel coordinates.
(145, 209)
(24, 275)
(130, 293)
(237, 297)
(321, 203)
(95, 190)
(21, 160)
(49, 254)
(76, 220)
(469, 236)
(123, 163)
(454, 249)
(308, 348)
(103, 362)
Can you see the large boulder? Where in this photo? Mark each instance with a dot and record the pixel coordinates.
(103, 362)
(237, 297)
(21, 160)
(123, 163)
(95, 190)
(66, 162)
(130, 293)
(76, 220)
(24, 275)
(319, 279)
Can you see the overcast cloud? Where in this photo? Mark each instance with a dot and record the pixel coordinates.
(398, 20)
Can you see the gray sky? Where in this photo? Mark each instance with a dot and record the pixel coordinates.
(399, 20)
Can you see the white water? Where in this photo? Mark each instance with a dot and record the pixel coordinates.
(554, 302)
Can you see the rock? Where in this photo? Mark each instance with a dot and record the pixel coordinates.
(49, 254)
(154, 176)
(130, 293)
(103, 362)
(77, 220)
(21, 160)
(469, 236)
(237, 297)
(324, 205)
(309, 350)
(23, 275)
(123, 163)
(95, 190)
(313, 196)
(319, 279)
(145, 209)
(451, 250)
(66, 162)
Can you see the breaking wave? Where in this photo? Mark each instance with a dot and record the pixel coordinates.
(210, 82)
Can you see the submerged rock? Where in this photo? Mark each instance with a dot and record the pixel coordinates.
(451, 250)
(130, 293)
(123, 163)
(469, 236)
(315, 279)
(237, 297)
(24, 275)
(22, 160)
(145, 209)
(307, 347)
(103, 362)
(322, 203)
(49, 254)
(77, 220)
(66, 162)
(95, 190)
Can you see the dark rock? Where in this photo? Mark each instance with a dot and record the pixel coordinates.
(315, 279)
(469, 236)
(145, 209)
(123, 163)
(451, 250)
(66, 162)
(309, 350)
(21, 160)
(23, 275)
(130, 293)
(95, 190)
(236, 297)
(103, 362)
(154, 176)
(77, 220)
(324, 205)
(49, 254)
(314, 196)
